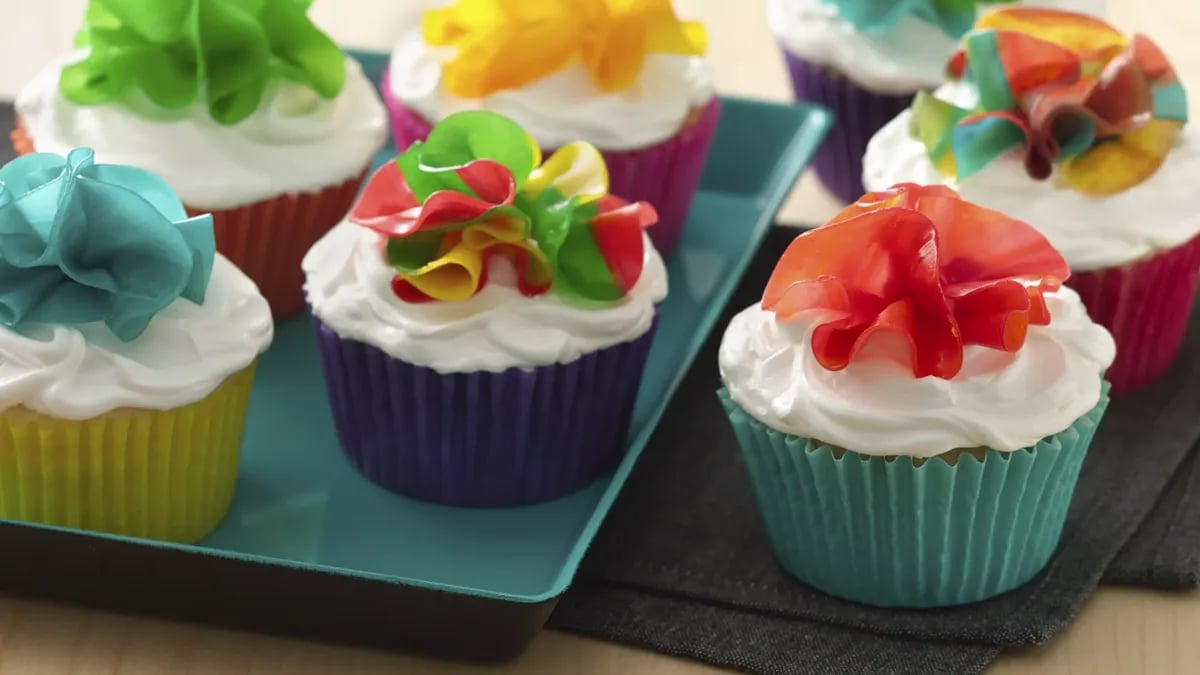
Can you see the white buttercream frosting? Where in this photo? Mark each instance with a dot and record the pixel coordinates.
(1090, 232)
(1006, 401)
(187, 351)
(909, 57)
(295, 142)
(565, 106)
(349, 288)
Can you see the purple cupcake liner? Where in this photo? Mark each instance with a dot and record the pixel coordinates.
(481, 438)
(666, 174)
(858, 113)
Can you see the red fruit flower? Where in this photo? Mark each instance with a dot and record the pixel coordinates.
(921, 264)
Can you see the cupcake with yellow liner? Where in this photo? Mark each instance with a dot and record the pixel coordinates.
(484, 317)
(626, 77)
(914, 397)
(1064, 122)
(245, 109)
(126, 354)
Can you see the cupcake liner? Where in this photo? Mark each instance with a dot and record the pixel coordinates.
(858, 114)
(895, 532)
(481, 438)
(666, 174)
(268, 239)
(166, 475)
(1145, 305)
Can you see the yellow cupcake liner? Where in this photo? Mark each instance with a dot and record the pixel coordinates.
(166, 474)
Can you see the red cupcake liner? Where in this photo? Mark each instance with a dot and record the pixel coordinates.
(267, 239)
(1145, 305)
(857, 112)
(665, 175)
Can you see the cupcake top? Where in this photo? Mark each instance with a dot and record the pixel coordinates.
(620, 75)
(470, 253)
(1061, 120)
(230, 102)
(887, 46)
(915, 323)
(112, 296)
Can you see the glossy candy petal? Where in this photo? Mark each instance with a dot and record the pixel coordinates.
(1122, 162)
(920, 268)
(174, 51)
(508, 44)
(1080, 33)
(952, 17)
(574, 170)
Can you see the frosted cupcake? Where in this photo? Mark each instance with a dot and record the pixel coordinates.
(626, 77)
(246, 110)
(865, 59)
(484, 317)
(1079, 131)
(914, 397)
(127, 351)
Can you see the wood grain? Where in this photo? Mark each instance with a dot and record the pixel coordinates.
(1120, 631)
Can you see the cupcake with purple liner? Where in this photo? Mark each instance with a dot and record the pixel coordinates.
(628, 78)
(1081, 131)
(484, 318)
(865, 59)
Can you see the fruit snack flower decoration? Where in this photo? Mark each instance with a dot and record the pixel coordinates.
(952, 17)
(1063, 88)
(922, 264)
(477, 188)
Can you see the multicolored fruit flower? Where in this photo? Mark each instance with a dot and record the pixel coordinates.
(1065, 89)
(478, 188)
(953, 17)
(920, 264)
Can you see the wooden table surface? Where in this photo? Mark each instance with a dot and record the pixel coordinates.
(1120, 631)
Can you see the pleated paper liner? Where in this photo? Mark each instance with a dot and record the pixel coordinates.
(481, 439)
(1145, 305)
(899, 532)
(666, 174)
(166, 475)
(268, 239)
(857, 114)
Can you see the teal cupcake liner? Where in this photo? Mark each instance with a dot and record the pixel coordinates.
(899, 532)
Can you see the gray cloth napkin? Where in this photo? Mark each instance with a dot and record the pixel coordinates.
(682, 564)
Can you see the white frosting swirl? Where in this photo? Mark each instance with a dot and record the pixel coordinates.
(349, 288)
(1090, 232)
(79, 372)
(295, 142)
(565, 106)
(909, 57)
(876, 407)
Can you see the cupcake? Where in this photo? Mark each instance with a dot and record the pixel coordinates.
(246, 110)
(483, 318)
(865, 59)
(626, 77)
(1060, 120)
(127, 352)
(913, 398)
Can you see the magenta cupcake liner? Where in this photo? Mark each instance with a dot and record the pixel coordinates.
(1145, 305)
(857, 114)
(666, 174)
(481, 438)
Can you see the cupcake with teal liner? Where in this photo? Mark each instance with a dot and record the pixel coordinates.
(1064, 122)
(627, 77)
(865, 59)
(913, 398)
(484, 317)
(127, 352)
(246, 109)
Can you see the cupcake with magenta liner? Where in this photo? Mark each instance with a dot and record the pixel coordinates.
(1079, 130)
(483, 317)
(627, 77)
(913, 398)
(127, 352)
(246, 110)
(865, 59)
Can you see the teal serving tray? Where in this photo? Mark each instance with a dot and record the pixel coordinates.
(311, 547)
